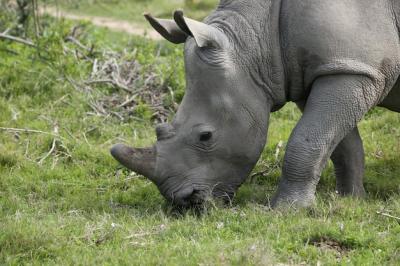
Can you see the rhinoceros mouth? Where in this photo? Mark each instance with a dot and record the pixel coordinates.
(192, 197)
(189, 194)
(195, 198)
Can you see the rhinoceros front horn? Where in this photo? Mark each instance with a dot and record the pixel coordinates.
(141, 161)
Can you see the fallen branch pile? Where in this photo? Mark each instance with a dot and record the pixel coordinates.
(134, 85)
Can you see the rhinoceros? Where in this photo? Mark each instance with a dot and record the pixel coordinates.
(335, 59)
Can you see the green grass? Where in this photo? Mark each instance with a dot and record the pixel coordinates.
(133, 10)
(79, 207)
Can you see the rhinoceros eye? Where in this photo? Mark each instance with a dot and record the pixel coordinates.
(205, 136)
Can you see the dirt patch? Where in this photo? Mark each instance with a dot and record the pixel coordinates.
(112, 24)
(328, 243)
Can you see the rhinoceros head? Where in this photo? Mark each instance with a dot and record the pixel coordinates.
(220, 128)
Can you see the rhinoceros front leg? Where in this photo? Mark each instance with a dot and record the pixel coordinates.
(349, 163)
(334, 107)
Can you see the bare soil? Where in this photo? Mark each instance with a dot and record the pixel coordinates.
(328, 243)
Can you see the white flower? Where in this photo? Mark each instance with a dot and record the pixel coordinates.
(220, 225)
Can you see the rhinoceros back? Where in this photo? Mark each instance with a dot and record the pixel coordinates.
(340, 37)
(396, 10)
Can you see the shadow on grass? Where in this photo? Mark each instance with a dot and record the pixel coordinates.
(382, 181)
(139, 197)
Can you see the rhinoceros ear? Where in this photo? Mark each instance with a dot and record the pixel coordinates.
(167, 28)
(204, 35)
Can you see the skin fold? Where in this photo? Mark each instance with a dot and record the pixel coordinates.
(335, 59)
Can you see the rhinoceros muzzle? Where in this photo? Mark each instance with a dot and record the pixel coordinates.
(142, 161)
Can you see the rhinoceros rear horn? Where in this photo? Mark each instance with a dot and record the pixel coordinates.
(205, 35)
(141, 161)
(167, 28)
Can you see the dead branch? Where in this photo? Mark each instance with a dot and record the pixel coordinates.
(18, 40)
(120, 117)
(109, 81)
(52, 149)
(35, 13)
(56, 149)
(6, 31)
(78, 43)
(130, 100)
(73, 83)
(388, 215)
(25, 130)
(27, 148)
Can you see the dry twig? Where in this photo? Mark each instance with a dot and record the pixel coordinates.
(77, 43)
(109, 81)
(52, 149)
(18, 40)
(388, 215)
(25, 130)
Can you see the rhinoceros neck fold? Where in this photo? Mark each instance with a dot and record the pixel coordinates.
(253, 27)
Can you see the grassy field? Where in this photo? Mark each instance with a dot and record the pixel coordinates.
(133, 10)
(64, 200)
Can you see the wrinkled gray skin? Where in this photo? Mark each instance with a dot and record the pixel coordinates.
(335, 59)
